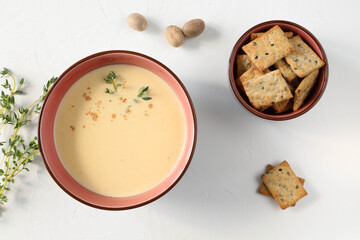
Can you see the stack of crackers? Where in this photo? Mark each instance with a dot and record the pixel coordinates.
(277, 70)
(283, 185)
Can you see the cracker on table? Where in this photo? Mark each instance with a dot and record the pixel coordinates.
(258, 34)
(283, 185)
(269, 167)
(265, 191)
(304, 88)
(285, 70)
(265, 90)
(304, 60)
(267, 49)
(243, 63)
(249, 74)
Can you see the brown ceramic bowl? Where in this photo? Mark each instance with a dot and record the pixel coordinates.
(315, 93)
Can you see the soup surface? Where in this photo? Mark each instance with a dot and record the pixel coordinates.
(118, 144)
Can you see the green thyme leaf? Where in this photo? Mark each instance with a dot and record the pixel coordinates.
(143, 91)
(4, 72)
(111, 79)
(16, 154)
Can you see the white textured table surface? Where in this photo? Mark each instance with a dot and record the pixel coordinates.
(217, 198)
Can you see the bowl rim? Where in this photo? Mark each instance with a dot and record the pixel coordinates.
(280, 117)
(194, 120)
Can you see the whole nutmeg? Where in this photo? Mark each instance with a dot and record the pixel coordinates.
(174, 36)
(137, 21)
(193, 28)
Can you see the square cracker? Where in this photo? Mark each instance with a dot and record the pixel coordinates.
(249, 74)
(304, 88)
(265, 90)
(285, 70)
(284, 105)
(280, 107)
(283, 185)
(289, 106)
(267, 49)
(265, 191)
(243, 63)
(304, 60)
(253, 72)
(258, 34)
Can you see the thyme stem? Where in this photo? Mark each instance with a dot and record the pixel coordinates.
(17, 154)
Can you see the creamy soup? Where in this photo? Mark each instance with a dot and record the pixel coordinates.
(116, 143)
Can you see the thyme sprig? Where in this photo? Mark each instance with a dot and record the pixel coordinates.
(111, 79)
(17, 152)
(143, 91)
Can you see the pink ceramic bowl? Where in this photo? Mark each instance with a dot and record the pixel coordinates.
(315, 93)
(46, 129)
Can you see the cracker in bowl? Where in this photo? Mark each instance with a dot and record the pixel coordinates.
(266, 90)
(304, 60)
(272, 51)
(269, 48)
